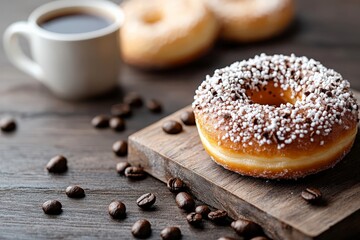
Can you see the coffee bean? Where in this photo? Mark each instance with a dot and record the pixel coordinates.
(218, 216)
(171, 233)
(100, 121)
(141, 229)
(227, 238)
(203, 210)
(117, 210)
(176, 185)
(52, 207)
(57, 164)
(135, 173)
(188, 118)
(121, 166)
(117, 124)
(246, 228)
(154, 106)
(133, 99)
(194, 219)
(146, 200)
(7, 124)
(75, 192)
(120, 148)
(185, 201)
(260, 238)
(311, 195)
(121, 110)
(172, 127)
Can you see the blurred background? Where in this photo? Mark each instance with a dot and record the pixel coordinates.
(326, 30)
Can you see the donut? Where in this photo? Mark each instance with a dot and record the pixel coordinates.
(276, 117)
(166, 33)
(252, 20)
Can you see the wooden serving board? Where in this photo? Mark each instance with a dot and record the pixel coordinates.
(275, 205)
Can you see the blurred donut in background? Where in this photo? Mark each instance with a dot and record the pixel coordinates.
(252, 20)
(166, 33)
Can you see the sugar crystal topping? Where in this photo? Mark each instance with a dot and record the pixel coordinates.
(321, 100)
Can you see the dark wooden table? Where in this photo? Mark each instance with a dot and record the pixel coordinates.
(327, 30)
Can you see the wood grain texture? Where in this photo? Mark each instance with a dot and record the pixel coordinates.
(276, 205)
(25, 185)
(326, 30)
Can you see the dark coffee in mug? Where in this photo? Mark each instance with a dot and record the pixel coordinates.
(75, 22)
(74, 46)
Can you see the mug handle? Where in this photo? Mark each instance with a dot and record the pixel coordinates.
(14, 52)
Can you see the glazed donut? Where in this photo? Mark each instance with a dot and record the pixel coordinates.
(277, 117)
(166, 33)
(252, 20)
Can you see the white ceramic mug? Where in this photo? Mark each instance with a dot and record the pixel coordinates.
(73, 66)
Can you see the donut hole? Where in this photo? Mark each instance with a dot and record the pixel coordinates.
(270, 95)
(152, 17)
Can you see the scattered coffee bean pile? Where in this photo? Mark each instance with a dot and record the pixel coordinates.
(117, 209)
(184, 200)
(117, 122)
(124, 110)
(142, 228)
(58, 165)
